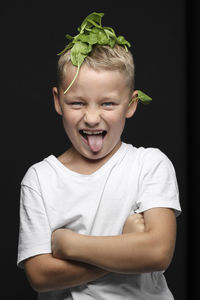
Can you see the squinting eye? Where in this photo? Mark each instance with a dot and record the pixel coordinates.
(77, 104)
(108, 104)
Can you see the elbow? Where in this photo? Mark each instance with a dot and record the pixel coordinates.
(36, 276)
(161, 264)
(37, 283)
(39, 286)
(162, 259)
(166, 261)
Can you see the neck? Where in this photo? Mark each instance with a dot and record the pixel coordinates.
(80, 164)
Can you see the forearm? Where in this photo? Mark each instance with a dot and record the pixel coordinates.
(148, 251)
(48, 273)
(128, 253)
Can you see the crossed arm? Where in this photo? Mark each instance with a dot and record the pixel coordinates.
(146, 245)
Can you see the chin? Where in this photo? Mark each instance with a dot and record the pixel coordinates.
(95, 155)
(103, 153)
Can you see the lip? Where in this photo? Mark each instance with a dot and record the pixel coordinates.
(92, 130)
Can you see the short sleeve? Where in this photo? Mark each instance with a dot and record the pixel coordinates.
(34, 229)
(158, 183)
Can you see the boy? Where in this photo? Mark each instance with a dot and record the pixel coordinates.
(78, 237)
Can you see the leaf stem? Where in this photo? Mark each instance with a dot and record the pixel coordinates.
(78, 68)
(60, 53)
(93, 23)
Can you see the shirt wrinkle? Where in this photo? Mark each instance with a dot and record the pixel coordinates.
(99, 205)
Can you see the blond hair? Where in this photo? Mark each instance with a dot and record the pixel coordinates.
(102, 57)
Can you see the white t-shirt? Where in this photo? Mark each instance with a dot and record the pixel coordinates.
(53, 196)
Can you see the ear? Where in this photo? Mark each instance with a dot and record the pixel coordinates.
(132, 105)
(56, 101)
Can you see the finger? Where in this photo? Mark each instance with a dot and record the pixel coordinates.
(139, 221)
(135, 215)
(138, 216)
(141, 215)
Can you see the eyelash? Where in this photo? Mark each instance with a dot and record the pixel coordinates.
(80, 104)
(108, 104)
(77, 103)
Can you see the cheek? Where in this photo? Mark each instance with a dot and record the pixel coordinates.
(115, 119)
(71, 118)
(116, 123)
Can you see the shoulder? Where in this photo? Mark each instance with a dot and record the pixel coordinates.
(154, 158)
(149, 159)
(147, 155)
(156, 167)
(152, 155)
(33, 173)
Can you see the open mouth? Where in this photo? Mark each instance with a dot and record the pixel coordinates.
(86, 133)
(94, 139)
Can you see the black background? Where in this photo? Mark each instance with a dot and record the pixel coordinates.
(163, 35)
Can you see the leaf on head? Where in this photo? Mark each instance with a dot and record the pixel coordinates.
(91, 32)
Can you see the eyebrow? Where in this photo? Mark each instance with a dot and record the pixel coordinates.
(114, 98)
(81, 98)
(72, 98)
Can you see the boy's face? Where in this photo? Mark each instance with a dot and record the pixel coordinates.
(94, 110)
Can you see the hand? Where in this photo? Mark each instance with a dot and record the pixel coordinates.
(134, 223)
(60, 242)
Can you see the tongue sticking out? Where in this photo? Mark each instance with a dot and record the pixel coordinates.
(95, 142)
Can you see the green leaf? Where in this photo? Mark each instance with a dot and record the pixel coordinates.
(102, 37)
(144, 98)
(110, 31)
(90, 38)
(69, 37)
(78, 53)
(111, 43)
(91, 33)
(122, 41)
(94, 19)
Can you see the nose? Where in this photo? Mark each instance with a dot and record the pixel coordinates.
(92, 117)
